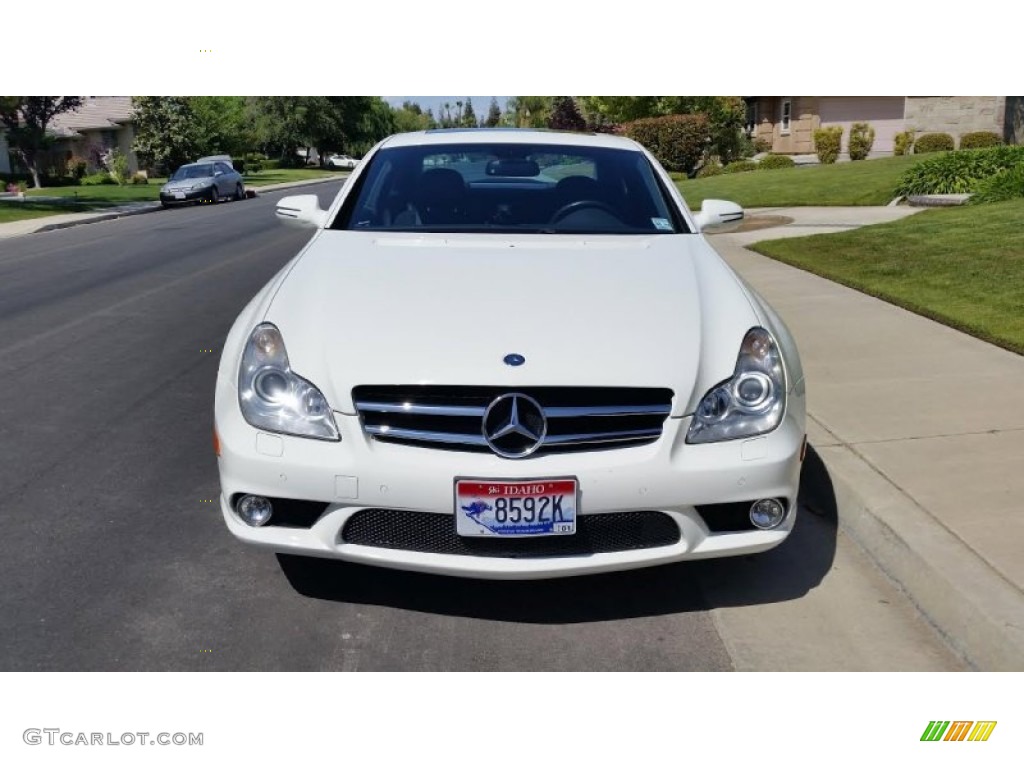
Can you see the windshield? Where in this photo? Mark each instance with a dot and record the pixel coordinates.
(514, 188)
(192, 172)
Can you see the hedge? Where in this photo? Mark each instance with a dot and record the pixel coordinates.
(862, 139)
(933, 142)
(958, 172)
(740, 166)
(827, 143)
(677, 141)
(768, 162)
(1006, 185)
(711, 169)
(980, 140)
(904, 143)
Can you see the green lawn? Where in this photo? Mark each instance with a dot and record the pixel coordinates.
(15, 211)
(866, 182)
(104, 194)
(281, 175)
(86, 198)
(961, 266)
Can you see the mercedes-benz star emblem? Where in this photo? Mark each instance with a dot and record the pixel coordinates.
(514, 425)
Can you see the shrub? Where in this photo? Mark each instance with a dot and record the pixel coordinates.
(677, 141)
(980, 140)
(77, 167)
(100, 177)
(711, 169)
(862, 139)
(740, 166)
(827, 143)
(1006, 185)
(903, 143)
(775, 161)
(958, 172)
(933, 142)
(762, 145)
(116, 162)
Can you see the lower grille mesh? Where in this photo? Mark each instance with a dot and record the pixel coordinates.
(430, 532)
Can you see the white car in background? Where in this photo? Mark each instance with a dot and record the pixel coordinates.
(342, 161)
(509, 355)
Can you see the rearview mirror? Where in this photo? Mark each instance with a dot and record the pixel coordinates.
(301, 212)
(715, 214)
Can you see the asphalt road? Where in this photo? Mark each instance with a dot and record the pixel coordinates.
(113, 555)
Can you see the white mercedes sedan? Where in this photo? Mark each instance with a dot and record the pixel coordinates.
(509, 354)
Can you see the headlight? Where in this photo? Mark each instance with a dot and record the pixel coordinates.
(751, 402)
(274, 398)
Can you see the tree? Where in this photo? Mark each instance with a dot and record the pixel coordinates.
(166, 134)
(725, 114)
(529, 111)
(493, 114)
(468, 115)
(411, 117)
(565, 116)
(328, 123)
(222, 125)
(26, 118)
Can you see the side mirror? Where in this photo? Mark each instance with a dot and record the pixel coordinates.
(715, 214)
(301, 212)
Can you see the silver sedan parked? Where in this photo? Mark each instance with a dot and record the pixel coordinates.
(208, 182)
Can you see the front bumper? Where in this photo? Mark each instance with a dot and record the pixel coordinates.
(359, 473)
(198, 195)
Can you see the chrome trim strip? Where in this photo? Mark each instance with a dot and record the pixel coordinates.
(601, 437)
(423, 410)
(424, 436)
(607, 410)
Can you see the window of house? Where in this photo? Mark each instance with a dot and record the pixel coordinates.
(787, 115)
(752, 118)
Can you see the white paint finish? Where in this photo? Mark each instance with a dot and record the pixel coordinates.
(884, 113)
(346, 487)
(404, 308)
(269, 445)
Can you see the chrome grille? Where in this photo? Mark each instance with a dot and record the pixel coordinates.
(451, 417)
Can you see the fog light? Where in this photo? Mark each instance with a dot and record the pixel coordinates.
(255, 510)
(767, 514)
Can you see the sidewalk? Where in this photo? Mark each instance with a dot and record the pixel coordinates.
(922, 432)
(62, 220)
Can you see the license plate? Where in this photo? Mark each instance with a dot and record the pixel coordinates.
(516, 508)
(178, 195)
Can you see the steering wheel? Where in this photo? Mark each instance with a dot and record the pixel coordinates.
(580, 205)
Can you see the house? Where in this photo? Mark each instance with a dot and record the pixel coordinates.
(100, 124)
(789, 122)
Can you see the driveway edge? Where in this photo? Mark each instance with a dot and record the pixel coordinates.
(971, 604)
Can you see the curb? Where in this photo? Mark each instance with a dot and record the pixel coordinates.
(94, 219)
(970, 603)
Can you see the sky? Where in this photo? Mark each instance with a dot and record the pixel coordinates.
(480, 103)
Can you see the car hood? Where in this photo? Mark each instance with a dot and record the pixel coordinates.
(188, 183)
(370, 308)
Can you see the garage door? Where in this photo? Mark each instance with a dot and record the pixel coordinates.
(884, 113)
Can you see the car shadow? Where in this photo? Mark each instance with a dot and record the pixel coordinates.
(785, 573)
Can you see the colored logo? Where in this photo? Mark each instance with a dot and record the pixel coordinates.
(477, 508)
(958, 730)
(514, 359)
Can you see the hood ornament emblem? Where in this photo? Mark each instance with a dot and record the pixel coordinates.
(514, 359)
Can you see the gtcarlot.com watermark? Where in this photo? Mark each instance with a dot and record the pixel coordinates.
(56, 736)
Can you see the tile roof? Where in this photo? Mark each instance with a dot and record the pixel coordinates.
(95, 112)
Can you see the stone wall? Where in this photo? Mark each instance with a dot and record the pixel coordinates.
(956, 115)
